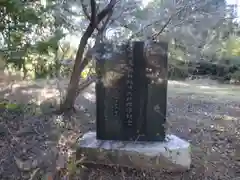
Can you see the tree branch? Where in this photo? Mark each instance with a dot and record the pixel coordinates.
(108, 9)
(163, 28)
(84, 8)
(176, 13)
(94, 18)
(105, 23)
(168, 21)
(88, 56)
(93, 13)
(105, 11)
(120, 14)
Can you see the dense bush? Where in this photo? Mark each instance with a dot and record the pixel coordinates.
(222, 72)
(235, 77)
(177, 72)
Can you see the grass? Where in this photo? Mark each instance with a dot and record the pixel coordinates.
(216, 91)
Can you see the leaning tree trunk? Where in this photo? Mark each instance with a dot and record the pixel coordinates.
(78, 67)
(80, 62)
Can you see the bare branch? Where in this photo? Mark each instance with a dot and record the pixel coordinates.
(91, 51)
(163, 28)
(124, 10)
(169, 20)
(91, 28)
(61, 47)
(106, 10)
(64, 50)
(84, 8)
(93, 13)
(94, 18)
(105, 23)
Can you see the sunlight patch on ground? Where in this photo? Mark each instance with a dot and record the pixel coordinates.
(47, 93)
(178, 83)
(89, 96)
(226, 118)
(41, 90)
(205, 87)
(58, 120)
(217, 92)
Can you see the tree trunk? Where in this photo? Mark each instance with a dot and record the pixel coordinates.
(80, 62)
(77, 69)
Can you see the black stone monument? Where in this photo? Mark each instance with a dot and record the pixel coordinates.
(131, 98)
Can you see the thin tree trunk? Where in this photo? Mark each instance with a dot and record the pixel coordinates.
(80, 62)
(77, 69)
(24, 70)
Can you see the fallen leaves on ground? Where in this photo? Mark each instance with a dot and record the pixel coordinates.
(38, 146)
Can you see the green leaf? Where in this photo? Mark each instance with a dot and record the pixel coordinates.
(2, 105)
(12, 106)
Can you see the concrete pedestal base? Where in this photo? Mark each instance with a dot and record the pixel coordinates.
(173, 155)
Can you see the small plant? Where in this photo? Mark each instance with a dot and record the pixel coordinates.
(236, 75)
(9, 106)
(73, 166)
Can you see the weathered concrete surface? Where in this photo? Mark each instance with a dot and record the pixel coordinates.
(170, 156)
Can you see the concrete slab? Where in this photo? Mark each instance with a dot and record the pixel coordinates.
(173, 155)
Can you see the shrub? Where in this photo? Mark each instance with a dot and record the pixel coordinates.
(178, 71)
(235, 77)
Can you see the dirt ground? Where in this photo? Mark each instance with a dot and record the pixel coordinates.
(203, 112)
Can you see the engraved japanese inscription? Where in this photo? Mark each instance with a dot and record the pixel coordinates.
(129, 90)
(131, 94)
